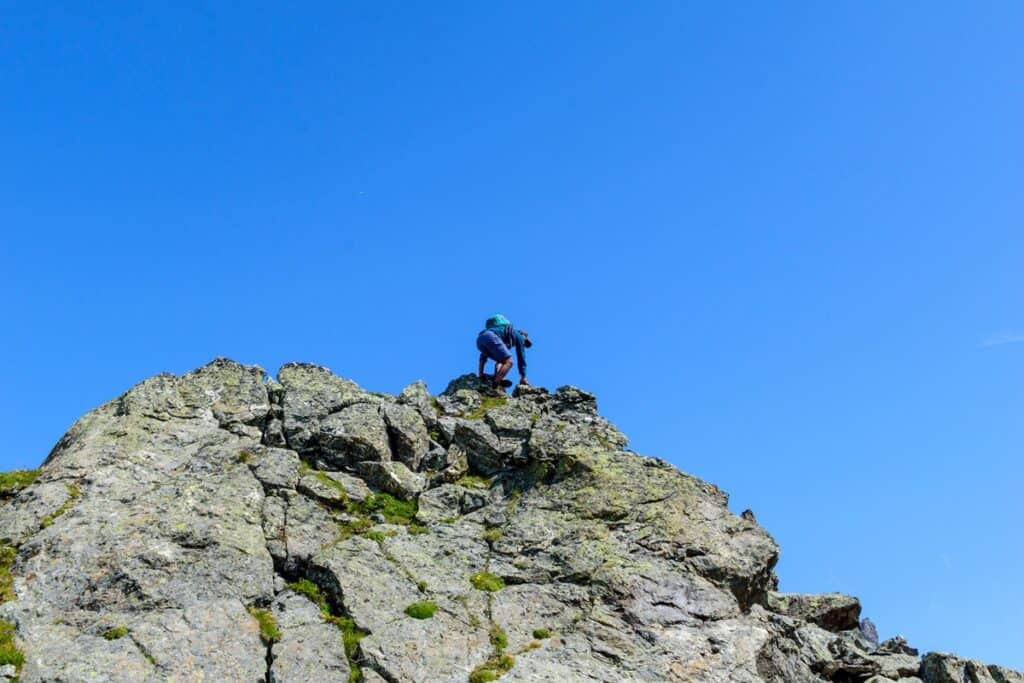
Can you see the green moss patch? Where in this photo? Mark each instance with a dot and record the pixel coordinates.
(492, 669)
(9, 653)
(327, 481)
(268, 625)
(486, 581)
(473, 481)
(245, 457)
(350, 633)
(116, 632)
(350, 637)
(74, 493)
(395, 511)
(541, 633)
(487, 403)
(7, 555)
(499, 639)
(309, 589)
(423, 609)
(356, 525)
(16, 480)
(492, 535)
(379, 536)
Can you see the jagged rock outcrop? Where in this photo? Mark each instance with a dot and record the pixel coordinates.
(225, 526)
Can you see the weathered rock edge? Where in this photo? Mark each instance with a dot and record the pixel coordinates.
(165, 519)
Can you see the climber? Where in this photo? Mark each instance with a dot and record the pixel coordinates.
(495, 342)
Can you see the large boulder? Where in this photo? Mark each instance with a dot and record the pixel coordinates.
(832, 611)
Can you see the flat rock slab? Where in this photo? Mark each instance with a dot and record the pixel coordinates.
(310, 648)
(832, 611)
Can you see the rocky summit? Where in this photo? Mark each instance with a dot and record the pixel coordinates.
(226, 526)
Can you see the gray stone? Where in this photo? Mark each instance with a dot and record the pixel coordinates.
(940, 667)
(309, 528)
(454, 466)
(352, 435)
(417, 396)
(371, 676)
(309, 394)
(438, 649)
(443, 502)
(486, 453)
(276, 467)
(832, 611)
(897, 645)
(462, 402)
(274, 517)
(393, 477)
(310, 648)
(355, 488)
(468, 382)
(323, 488)
(408, 434)
(356, 574)
(573, 399)
(513, 419)
(896, 666)
(869, 631)
(25, 514)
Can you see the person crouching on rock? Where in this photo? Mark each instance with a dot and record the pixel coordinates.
(496, 342)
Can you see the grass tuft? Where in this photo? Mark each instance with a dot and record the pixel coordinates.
(493, 669)
(116, 632)
(268, 625)
(74, 493)
(16, 480)
(350, 633)
(473, 481)
(499, 639)
(486, 581)
(486, 403)
(423, 609)
(379, 536)
(7, 555)
(492, 535)
(336, 485)
(310, 590)
(9, 653)
(395, 511)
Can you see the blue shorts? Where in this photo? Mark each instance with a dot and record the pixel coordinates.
(491, 346)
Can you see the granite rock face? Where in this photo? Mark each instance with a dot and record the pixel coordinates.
(226, 526)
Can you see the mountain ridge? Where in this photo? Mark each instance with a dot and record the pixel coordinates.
(226, 525)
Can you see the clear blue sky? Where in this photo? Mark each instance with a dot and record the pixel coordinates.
(782, 242)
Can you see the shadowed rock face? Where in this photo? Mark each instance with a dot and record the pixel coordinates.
(224, 526)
